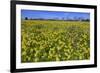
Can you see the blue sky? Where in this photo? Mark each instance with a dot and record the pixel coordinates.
(35, 14)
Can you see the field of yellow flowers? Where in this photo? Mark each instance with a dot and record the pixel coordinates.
(48, 40)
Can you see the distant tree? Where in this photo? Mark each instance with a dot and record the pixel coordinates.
(26, 18)
(87, 20)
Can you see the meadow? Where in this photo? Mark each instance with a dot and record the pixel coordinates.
(52, 40)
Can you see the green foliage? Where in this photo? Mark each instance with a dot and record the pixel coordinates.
(43, 41)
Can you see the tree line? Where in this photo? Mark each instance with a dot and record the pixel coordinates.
(67, 19)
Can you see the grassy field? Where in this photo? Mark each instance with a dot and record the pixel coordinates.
(46, 40)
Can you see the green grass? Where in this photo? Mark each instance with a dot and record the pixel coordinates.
(45, 40)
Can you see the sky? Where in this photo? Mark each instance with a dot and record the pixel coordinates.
(37, 14)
